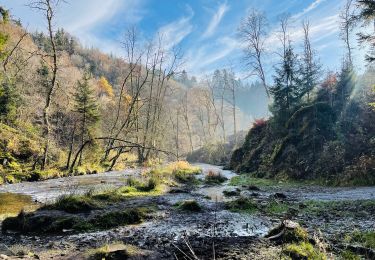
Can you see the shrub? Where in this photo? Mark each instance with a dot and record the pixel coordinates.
(74, 203)
(213, 177)
(150, 185)
(189, 205)
(242, 204)
(118, 218)
(366, 239)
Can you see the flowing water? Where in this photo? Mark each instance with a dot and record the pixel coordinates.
(168, 224)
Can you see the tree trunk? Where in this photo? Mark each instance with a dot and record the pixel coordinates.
(71, 145)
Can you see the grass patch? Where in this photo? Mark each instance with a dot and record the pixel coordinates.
(213, 177)
(275, 207)
(248, 180)
(358, 208)
(365, 239)
(116, 250)
(243, 205)
(52, 224)
(74, 203)
(180, 171)
(303, 250)
(189, 205)
(349, 255)
(118, 218)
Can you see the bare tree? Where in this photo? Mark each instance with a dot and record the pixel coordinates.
(48, 7)
(347, 25)
(253, 34)
(186, 116)
(232, 86)
(310, 68)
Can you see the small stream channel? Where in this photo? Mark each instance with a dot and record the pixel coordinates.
(168, 224)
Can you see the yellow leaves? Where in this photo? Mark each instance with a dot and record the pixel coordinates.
(127, 99)
(104, 87)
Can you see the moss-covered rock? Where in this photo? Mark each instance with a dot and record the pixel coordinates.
(288, 232)
(189, 205)
(303, 250)
(242, 204)
(74, 204)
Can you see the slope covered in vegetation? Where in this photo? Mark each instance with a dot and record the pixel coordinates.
(329, 137)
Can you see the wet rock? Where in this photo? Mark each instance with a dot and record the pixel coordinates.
(178, 190)
(251, 188)
(231, 193)
(279, 195)
(254, 194)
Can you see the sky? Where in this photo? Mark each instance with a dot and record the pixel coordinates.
(204, 30)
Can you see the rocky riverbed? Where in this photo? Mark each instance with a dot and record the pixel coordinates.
(214, 230)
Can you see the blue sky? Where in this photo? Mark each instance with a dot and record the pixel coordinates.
(205, 30)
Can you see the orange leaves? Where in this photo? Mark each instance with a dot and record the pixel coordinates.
(330, 82)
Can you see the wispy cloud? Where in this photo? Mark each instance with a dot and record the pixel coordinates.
(173, 33)
(308, 9)
(94, 12)
(319, 29)
(216, 19)
(201, 60)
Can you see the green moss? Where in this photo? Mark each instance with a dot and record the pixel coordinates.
(114, 251)
(348, 255)
(294, 234)
(189, 205)
(242, 204)
(36, 223)
(245, 179)
(275, 207)
(365, 239)
(30, 223)
(118, 218)
(358, 208)
(303, 250)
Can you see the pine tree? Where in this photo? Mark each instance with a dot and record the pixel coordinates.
(86, 106)
(9, 102)
(367, 16)
(286, 91)
(309, 68)
(344, 87)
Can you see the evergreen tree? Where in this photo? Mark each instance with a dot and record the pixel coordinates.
(286, 91)
(9, 102)
(367, 17)
(86, 106)
(309, 68)
(344, 87)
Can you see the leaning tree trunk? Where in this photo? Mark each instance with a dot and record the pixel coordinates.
(52, 86)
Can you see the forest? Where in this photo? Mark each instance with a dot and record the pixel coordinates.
(138, 156)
